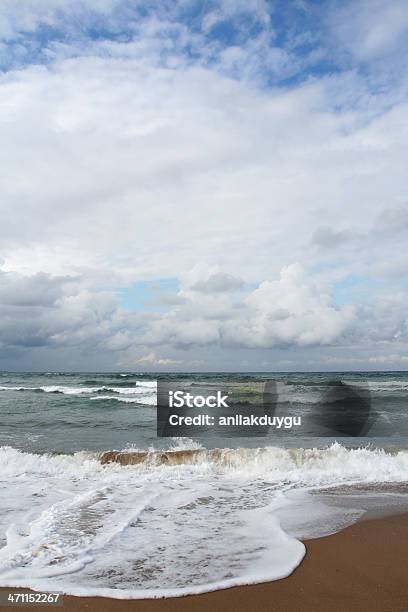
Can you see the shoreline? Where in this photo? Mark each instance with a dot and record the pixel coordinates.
(360, 568)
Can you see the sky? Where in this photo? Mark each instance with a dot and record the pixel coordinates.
(203, 185)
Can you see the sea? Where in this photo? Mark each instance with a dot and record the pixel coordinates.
(70, 524)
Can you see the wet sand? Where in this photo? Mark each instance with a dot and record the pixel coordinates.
(361, 569)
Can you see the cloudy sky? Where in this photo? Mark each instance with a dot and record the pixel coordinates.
(203, 185)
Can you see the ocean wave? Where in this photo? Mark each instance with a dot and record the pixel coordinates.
(143, 399)
(67, 390)
(388, 385)
(209, 519)
(152, 384)
(304, 466)
(315, 466)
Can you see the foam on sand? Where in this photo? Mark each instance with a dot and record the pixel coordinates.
(168, 523)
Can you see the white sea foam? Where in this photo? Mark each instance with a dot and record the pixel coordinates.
(142, 399)
(139, 388)
(68, 390)
(152, 530)
(147, 383)
(10, 388)
(388, 385)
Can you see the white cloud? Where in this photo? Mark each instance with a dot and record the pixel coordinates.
(152, 360)
(60, 312)
(45, 313)
(372, 28)
(287, 312)
(141, 171)
(213, 280)
(19, 17)
(140, 157)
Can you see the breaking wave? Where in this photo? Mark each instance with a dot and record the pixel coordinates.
(143, 387)
(174, 522)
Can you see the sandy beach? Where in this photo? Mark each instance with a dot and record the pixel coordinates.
(363, 568)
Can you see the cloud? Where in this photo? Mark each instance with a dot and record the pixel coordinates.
(42, 310)
(375, 360)
(295, 310)
(20, 17)
(386, 320)
(173, 34)
(245, 161)
(61, 313)
(217, 282)
(211, 145)
(328, 237)
(39, 290)
(371, 28)
(291, 311)
(392, 221)
(151, 360)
